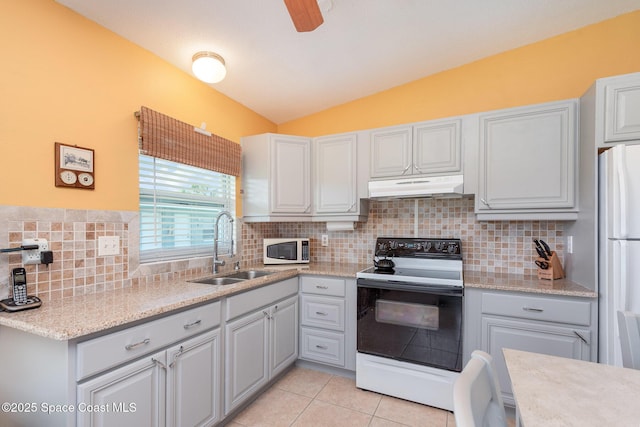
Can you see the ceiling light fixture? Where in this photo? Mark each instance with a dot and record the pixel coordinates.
(208, 67)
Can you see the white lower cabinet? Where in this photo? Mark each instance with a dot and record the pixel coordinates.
(175, 387)
(556, 325)
(165, 372)
(327, 326)
(261, 340)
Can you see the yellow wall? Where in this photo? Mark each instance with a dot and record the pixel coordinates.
(65, 79)
(557, 68)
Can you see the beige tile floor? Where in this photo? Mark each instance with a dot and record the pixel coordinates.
(305, 398)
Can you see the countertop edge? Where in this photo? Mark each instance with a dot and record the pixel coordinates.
(141, 302)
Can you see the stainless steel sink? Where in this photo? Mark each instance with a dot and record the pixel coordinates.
(218, 280)
(249, 274)
(239, 276)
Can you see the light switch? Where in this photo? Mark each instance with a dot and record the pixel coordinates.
(108, 245)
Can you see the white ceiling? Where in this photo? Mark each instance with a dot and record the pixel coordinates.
(363, 47)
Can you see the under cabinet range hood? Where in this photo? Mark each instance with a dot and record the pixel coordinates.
(416, 187)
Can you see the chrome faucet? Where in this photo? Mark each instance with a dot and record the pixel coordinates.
(216, 233)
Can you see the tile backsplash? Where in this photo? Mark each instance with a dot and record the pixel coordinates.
(488, 246)
(491, 246)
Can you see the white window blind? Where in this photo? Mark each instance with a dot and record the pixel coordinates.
(178, 207)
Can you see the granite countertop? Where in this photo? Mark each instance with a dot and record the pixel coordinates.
(75, 317)
(79, 316)
(531, 284)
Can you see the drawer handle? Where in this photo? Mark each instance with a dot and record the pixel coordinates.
(321, 347)
(138, 344)
(320, 313)
(192, 324)
(535, 310)
(322, 287)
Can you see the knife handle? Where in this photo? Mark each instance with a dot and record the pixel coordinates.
(546, 247)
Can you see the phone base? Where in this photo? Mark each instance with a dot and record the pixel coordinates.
(10, 305)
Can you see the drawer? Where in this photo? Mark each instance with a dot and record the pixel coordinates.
(322, 312)
(249, 301)
(322, 286)
(102, 353)
(538, 308)
(322, 346)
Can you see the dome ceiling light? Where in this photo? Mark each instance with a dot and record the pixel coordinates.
(208, 67)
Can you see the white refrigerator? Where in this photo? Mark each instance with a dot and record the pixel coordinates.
(619, 251)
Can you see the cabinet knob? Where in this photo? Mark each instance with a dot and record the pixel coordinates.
(407, 168)
(484, 202)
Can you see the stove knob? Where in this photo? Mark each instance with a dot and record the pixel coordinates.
(451, 249)
(427, 247)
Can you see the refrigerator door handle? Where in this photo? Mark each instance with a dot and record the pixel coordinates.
(620, 166)
(624, 282)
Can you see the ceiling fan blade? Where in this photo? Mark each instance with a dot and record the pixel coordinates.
(305, 14)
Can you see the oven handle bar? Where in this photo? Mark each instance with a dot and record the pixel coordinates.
(454, 291)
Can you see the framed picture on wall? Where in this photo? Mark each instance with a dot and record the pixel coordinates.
(74, 166)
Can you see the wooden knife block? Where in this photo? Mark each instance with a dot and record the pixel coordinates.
(554, 271)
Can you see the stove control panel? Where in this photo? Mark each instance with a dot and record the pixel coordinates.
(418, 248)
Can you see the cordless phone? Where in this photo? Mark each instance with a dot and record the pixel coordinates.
(19, 276)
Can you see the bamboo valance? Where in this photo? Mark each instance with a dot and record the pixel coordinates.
(170, 139)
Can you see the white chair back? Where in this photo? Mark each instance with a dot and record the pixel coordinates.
(477, 401)
(629, 329)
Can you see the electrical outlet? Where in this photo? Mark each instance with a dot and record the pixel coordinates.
(108, 245)
(325, 240)
(32, 256)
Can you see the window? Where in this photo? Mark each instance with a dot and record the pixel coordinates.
(178, 208)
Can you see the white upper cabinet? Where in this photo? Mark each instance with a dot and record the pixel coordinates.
(391, 152)
(527, 162)
(437, 147)
(292, 178)
(290, 175)
(427, 148)
(335, 174)
(276, 178)
(335, 179)
(622, 108)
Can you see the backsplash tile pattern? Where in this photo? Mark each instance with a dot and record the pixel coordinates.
(488, 246)
(493, 246)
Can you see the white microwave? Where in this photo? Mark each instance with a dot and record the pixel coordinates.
(286, 251)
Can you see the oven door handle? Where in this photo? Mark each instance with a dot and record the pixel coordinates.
(454, 291)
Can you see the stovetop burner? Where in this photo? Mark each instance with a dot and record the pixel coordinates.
(421, 261)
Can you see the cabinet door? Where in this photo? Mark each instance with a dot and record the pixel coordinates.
(499, 333)
(290, 175)
(335, 175)
(284, 335)
(622, 111)
(131, 396)
(193, 381)
(437, 147)
(391, 152)
(527, 158)
(246, 357)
